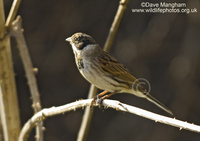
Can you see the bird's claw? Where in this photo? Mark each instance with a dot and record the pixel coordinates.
(97, 100)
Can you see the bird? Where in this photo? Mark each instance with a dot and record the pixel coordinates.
(105, 72)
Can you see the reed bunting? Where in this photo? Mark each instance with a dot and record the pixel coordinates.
(104, 71)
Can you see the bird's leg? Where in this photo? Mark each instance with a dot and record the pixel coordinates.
(101, 94)
(107, 96)
(99, 100)
(97, 97)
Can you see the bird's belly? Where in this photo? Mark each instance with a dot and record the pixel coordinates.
(100, 80)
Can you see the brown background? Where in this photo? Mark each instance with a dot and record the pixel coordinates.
(162, 48)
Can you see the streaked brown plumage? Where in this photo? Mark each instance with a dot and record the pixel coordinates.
(104, 71)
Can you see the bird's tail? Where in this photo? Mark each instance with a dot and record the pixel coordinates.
(141, 92)
(158, 103)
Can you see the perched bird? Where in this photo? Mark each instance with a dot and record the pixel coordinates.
(104, 71)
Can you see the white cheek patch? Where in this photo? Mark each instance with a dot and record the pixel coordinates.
(75, 50)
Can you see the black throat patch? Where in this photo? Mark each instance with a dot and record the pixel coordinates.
(83, 44)
(80, 64)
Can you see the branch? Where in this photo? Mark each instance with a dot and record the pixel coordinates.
(85, 124)
(48, 112)
(13, 12)
(9, 100)
(17, 31)
(3, 116)
(115, 24)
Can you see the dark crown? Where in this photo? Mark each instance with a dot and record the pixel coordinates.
(81, 40)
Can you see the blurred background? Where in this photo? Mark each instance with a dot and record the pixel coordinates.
(162, 48)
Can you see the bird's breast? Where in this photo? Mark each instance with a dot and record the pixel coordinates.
(95, 76)
(80, 64)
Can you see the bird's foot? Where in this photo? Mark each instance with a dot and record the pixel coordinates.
(98, 99)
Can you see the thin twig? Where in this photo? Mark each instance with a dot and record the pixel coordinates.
(85, 124)
(17, 31)
(13, 12)
(3, 116)
(115, 24)
(8, 85)
(43, 114)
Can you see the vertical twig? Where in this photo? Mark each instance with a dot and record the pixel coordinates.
(3, 116)
(13, 12)
(34, 90)
(8, 86)
(17, 31)
(1, 132)
(83, 131)
(36, 103)
(115, 24)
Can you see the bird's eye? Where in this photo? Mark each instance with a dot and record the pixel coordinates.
(75, 39)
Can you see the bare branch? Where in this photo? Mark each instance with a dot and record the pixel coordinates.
(3, 116)
(115, 24)
(85, 124)
(17, 31)
(43, 114)
(8, 86)
(13, 12)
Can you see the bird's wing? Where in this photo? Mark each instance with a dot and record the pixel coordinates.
(114, 68)
(119, 73)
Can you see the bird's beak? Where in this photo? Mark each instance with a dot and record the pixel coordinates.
(68, 39)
